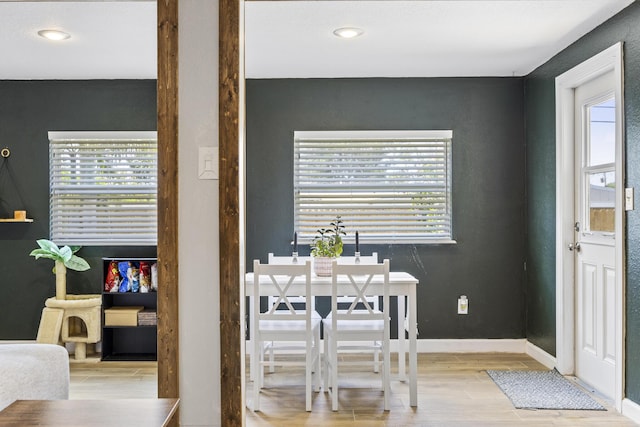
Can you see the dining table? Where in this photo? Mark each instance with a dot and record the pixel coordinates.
(401, 285)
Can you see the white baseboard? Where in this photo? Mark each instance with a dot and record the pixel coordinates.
(631, 410)
(470, 345)
(540, 355)
(450, 346)
(519, 345)
(17, 341)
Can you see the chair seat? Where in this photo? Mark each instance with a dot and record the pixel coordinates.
(355, 325)
(289, 325)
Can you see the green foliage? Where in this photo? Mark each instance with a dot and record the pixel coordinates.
(50, 250)
(328, 241)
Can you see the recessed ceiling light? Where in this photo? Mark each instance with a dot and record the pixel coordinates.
(348, 32)
(54, 34)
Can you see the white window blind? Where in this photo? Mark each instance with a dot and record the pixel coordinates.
(103, 188)
(390, 186)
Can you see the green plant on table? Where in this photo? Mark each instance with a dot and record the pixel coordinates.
(328, 241)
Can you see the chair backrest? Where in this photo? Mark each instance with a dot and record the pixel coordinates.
(364, 259)
(276, 259)
(288, 260)
(277, 281)
(356, 281)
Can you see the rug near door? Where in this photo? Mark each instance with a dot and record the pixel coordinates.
(542, 390)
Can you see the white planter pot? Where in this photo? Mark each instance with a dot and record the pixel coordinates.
(322, 266)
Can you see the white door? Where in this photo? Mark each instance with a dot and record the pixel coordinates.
(594, 243)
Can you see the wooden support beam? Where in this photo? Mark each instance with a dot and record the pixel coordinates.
(168, 319)
(229, 109)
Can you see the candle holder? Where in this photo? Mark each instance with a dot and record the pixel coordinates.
(294, 257)
(357, 260)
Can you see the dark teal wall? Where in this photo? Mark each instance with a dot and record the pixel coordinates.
(541, 225)
(28, 110)
(486, 116)
(540, 128)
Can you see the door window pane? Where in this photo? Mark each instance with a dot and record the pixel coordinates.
(602, 192)
(602, 133)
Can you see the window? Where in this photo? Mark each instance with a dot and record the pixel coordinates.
(103, 188)
(391, 186)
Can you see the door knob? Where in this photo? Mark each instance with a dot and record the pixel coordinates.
(575, 246)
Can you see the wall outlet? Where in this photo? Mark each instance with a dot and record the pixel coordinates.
(463, 305)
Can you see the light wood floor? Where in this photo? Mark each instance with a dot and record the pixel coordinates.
(453, 390)
(113, 380)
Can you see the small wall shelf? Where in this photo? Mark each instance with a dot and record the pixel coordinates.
(15, 220)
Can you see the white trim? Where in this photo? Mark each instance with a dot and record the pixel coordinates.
(608, 60)
(540, 355)
(460, 346)
(631, 410)
(71, 135)
(471, 345)
(368, 134)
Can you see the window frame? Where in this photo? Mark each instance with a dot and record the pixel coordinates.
(345, 137)
(56, 189)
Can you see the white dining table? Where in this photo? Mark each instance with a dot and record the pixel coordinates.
(401, 284)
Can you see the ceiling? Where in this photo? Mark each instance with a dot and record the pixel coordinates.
(293, 39)
(109, 40)
(415, 38)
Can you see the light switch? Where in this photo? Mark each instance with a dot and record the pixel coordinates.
(207, 162)
(628, 199)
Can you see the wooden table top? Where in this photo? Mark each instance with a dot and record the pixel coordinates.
(89, 413)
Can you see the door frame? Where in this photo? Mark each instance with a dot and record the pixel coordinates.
(610, 59)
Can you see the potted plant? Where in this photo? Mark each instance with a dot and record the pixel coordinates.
(326, 246)
(64, 258)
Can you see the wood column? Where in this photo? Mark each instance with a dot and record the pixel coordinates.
(168, 319)
(229, 109)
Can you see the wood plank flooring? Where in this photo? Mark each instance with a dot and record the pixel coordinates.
(453, 390)
(113, 380)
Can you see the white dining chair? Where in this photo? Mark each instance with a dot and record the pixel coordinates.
(285, 348)
(373, 347)
(353, 324)
(274, 348)
(282, 322)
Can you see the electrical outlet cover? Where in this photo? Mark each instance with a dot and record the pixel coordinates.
(463, 306)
